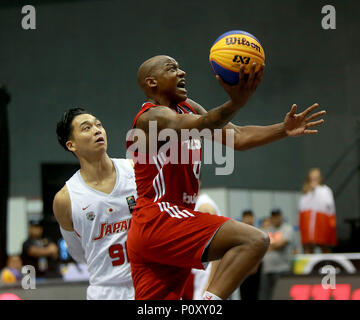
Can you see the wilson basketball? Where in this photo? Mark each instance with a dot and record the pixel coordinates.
(232, 49)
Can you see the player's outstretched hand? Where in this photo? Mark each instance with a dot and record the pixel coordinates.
(299, 124)
(242, 91)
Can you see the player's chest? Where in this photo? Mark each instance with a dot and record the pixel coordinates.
(96, 209)
(106, 186)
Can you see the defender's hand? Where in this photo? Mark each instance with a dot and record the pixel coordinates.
(299, 124)
(242, 91)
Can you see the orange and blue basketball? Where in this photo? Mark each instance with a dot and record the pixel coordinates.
(232, 49)
(8, 276)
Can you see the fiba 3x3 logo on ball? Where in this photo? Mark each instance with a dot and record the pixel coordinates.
(232, 49)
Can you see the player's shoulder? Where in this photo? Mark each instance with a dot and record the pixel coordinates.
(128, 163)
(160, 114)
(62, 198)
(196, 106)
(149, 114)
(62, 208)
(155, 111)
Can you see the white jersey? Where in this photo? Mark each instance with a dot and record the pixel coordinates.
(320, 199)
(101, 221)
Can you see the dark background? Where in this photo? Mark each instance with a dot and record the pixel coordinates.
(86, 53)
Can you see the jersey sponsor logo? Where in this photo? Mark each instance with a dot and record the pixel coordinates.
(189, 199)
(90, 215)
(207, 296)
(86, 207)
(107, 229)
(131, 203)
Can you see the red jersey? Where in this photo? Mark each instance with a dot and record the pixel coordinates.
(167, 236)
(164, 182)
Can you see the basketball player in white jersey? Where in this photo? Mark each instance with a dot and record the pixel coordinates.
(94, 208)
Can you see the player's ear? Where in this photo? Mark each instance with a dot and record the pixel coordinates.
(150, 82)
(70, 145)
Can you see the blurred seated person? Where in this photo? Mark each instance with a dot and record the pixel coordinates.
(248, 217)
(278, 259)
(249, 289)
(40, 252)
(265, 223)
(12, 272)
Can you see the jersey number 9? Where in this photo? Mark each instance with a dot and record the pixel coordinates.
(116, 253)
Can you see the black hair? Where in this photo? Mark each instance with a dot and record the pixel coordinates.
(64, 127)
(35, 223)
(276, 212)
(247, 212)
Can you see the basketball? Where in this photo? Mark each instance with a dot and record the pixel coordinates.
(7, 276)
(233, 49)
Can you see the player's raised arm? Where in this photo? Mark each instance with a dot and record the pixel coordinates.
(247, 137)
(152, 76)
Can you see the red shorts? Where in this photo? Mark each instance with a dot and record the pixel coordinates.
(162, 250)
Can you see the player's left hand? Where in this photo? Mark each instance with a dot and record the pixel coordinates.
(299, 124)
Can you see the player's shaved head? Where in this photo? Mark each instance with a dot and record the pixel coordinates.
(149, 67)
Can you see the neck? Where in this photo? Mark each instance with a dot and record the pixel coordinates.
(95, 170)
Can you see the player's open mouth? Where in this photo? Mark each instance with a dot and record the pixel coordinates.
(181, 84)
(100, 140)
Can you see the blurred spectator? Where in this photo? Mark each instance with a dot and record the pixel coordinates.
(70, 269)
(64, 255)
(12, 272)
(40, 252)
(277, 260)
(265, 223)
(248, 217)
(249, 289)
(317, 220)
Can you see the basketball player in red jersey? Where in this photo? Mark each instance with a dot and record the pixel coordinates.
(167, 237)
